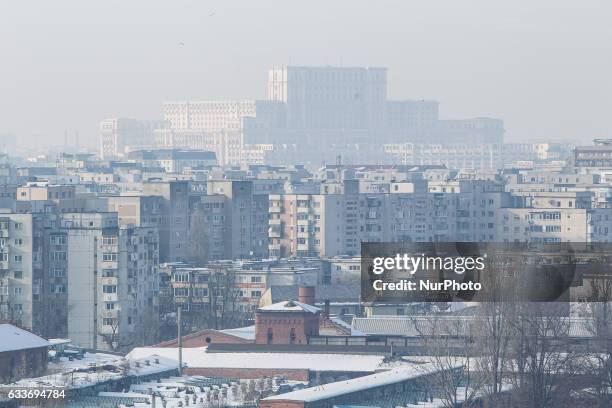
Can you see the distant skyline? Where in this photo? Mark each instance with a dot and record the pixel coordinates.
(543, 67)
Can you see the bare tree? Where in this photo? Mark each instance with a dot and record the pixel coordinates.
(493, 324)
(451, 352)
(224, 299)
(113, 338)
(544, 367)
(598, 356)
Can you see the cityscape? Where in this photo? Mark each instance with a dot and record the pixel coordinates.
(219, 254)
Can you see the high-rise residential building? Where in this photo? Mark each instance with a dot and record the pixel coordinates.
(20, 268)
(330, 97)
(174, 226)
(245, 215)
(111, 275)
(137, 210)
(598, 155)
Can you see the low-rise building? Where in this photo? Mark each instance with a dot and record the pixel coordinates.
(22, 354)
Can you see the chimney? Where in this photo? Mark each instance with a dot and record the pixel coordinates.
(306, 294)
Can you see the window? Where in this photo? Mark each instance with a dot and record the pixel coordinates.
(109, 288)
(200, 292)
(109, 240)
(109, 306)
(57, 272)
(18, 258)
(57, 288)
(181, 291)
(270, 335)
(108, 321)
(109, 256)
(181, 277)
(58, 240)
(255, 279)
(58, 256)
(18, 274)
(109, 273)
(292, 336)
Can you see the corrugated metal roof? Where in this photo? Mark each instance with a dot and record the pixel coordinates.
(414, 326)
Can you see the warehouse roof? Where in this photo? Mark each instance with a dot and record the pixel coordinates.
(196, 357)
(331, 390)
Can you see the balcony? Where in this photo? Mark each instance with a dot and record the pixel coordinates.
(274, 231)
(109, 297)
(109, 280)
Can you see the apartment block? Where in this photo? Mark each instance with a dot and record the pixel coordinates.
(111, 281)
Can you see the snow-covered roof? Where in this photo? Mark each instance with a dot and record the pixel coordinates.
(196, 357)
(13, 338)
(93, 369)
(451, 325)
(331, 390)
(414, 326)
(57, 342)
(247, 333)
(290, 306)
(345, 325)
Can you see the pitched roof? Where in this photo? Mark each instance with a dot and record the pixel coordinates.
(247, 333)
(337, 389)
(413, 326)
(290, 306)
(13, 338)
(452, 325)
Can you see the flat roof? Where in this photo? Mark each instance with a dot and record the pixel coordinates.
(196, 357)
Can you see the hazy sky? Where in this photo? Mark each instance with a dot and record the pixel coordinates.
(543, 66)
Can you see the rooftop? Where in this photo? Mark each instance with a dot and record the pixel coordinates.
(290, 306)
(199, 357)
(331, 390)
(13, 338)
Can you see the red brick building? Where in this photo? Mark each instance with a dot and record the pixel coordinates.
(206, 337)
(22, 354)
(288, 322)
